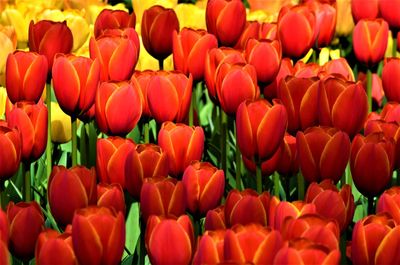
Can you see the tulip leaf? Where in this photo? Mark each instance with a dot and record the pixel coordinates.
(132, 228)
(134, 134)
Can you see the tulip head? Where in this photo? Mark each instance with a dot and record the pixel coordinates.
(10, 156)
(113, 19)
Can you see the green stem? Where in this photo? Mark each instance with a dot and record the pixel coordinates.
(369, 89)
(3, 196)
(74, 141)
(224, 132)
(259, 177)
(83, 146)
(27, 182)
(394, 46)
(48, 146)
(370, 205)
(197, 227)
(142, 250)
(349, 179)
(161, 64)
(191, 108)
(314, 56)
(287, 187)
(146, 133)
(276, 184)
(92, 145)
(238, 164)
(300, 186)
(343, 245)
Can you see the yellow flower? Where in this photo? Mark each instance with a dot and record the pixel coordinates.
(13, 17)
(60, 124)
(139, 6)
(3, 101)
(56, 4)
(260, 16)
(8, 43)
(271, 8)
(148, 62)
(191, 16)
(344, 18)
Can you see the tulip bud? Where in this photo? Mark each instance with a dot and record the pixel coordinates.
(118, 107)
(49, 38)
(26, 74)
(79, 181)
(370, 39)
(98, 235)
(111, 196)
(389, 202)
(113, 19)
(75, 81)
(215, 219)
(26, 222)
(182, 144)
(226, 20)
(145, 161)
(169, 241)
(158, 25)
(117, 52)
(54, 248)
(111, 158)
(391, 79)
(371, 163)
(325, 22)
(31, 120)
(10, 155)
(361, 9)
(169, 95)
(190, 48)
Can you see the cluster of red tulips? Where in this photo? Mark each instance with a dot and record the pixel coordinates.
(312, 138)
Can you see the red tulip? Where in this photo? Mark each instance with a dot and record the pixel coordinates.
(339, 66)
(361, 9)
(190, 48)
(79, 181)
(169, 241)
(75, 81)
(268, 166)
(391, 112)
(141, 80)
(216, 57)
(26, 222)
(246, 207)
(251, 31)
(210, 248)
(251, 244)
(169, 95)
(215, 219)
(268, 31)
(162, 197)
(279, 211)
(158, 24)
(5, 257)
(236, 83)
(117, 52)
(113, 19)
(324, 194)
(325, 22)
(323, 153)
(31, 121)
(98, 235)
(288, 164)
(296, 28)
(54, 248)
(304, 251)
(26, 74)
(183, 144)
(49, 38)
(145, 161)
(374, 240)
(266, 69)
(204, 187)
(10, 155)
(226, 19)
(370, 40)
(285, 69)
(111, 196)
(112, 154)
(371, 163)
(260, 128)
(118, 107)
(389, 12)
(4, 228)
(389, 202)
(391, 79)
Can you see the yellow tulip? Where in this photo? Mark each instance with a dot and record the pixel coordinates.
(272, 8)
(344, 18)
(139, 6)
(13, 17)
(260, 16)
(60, 124)
(3, 101)
(148, 62)
(8, 43)
(52, 4)
(191, 16)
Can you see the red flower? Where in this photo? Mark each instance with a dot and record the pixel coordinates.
(10, 155)
(113, 19)
(361, 9)
(111, 196)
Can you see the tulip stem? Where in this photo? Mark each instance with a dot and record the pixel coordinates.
(300, 186)
(370, 205)
(92, 145)
(27, 181)
(224, 131)
(48, 146)
(161, 64)
(394, 46)
(146, 133)
(259, 177)
(2, 194)
(276, 184)
(238, 164)
(369, 90)
(191, 108)
(73, 141)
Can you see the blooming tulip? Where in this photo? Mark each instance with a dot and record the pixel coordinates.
(199, 179)
(388, 10)
(118, 107)
(326, 193)
(364, 9)
(10, 155)
(117, 52)
(370, 40)
(296, 28)
(215, 219)
(26, 75)
(31, 121)
(260, 128)
(169, 241)
(325, 22)
(164, 197)
(210, 248)
(113, 19)
(169, 95)
(391, 112)
(236, 83)
(391, 79)
(111, 196)
(75, 81)
(98, 235)
(158, 25)
(144, 161)
(79, 181)
(371, 163)
(226, 20)
(251, 30)
(111, 158)
(54, 248)
(389, 202)
(339, 66)
(323, 153)
(279, 211)
(183, 144)
(190, 48)
(49, 38)
(26, 222)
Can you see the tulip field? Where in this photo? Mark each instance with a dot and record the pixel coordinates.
(199, 132)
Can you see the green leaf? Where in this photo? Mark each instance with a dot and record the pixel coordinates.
(132, 227)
